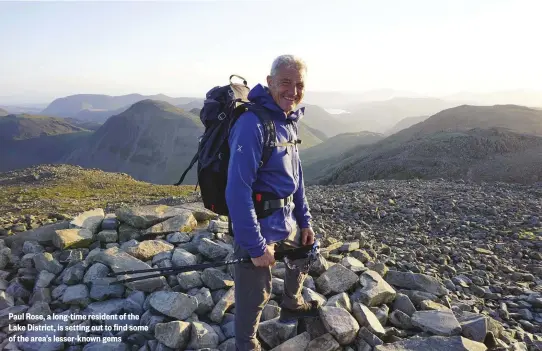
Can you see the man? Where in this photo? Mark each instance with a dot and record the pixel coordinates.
(282, 177)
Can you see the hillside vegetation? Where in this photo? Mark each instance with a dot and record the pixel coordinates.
(470, 142)
(320, 159)
(25, 126)
(57, 189)
(27, 140)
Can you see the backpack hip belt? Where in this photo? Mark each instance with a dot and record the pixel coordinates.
(266, 203)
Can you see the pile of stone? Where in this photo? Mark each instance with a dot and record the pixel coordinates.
(369, 303)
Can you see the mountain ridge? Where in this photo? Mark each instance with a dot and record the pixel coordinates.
(387, 158)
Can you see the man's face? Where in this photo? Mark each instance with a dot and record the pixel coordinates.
(287, 87)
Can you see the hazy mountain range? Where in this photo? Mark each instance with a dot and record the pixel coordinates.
(153, 139)
(491, 143)
(27, 140)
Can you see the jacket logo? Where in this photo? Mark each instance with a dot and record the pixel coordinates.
(239, 148)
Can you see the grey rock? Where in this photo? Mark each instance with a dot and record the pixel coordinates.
(107, 236)
(183, 258)
(325, 342)
(101, 289)
(147, 249)
(223, 305)
(203, 336)
(76, 294)
(96, 271)
(72, 238)
(46, 261)
(336, 279)
(217, 226)
(120, 261)
(298, 342)
(228, 345)
(90, 220)
(44, 279)
(205, 301)
(375, 290)
(198, 210)
(214, 251)
(215, 279)
(353, 264)
(437, 322)
(402, 302)
(475, 329)
(182, 222)
(32, 246)
(416, 281)
(173, 304)
(340, 300)
(6, 300)
(270, 312)
(189, 280)
(74, 274)
(339, 323)
(43, 235)
(177, 238)
(434, 343)
(401, 320)
(366, 318)
(274, 333)
(143, 217)
(366, 337)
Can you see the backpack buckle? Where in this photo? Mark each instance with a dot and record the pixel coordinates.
(221, 116)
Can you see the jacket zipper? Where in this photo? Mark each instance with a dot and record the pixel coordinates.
(293, 138)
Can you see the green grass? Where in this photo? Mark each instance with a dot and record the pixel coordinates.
(530, 235)
(81, 190)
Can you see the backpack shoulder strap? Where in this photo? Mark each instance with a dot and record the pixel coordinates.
(270, 133)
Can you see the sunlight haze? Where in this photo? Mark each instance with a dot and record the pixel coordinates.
(430, 48)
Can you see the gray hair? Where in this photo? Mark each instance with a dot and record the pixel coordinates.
(289, 61)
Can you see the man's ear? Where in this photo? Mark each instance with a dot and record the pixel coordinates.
(269, 81)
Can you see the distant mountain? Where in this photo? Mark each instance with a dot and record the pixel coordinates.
(70, 106)
(25, 126)
(152, 141)
(470, 142)
(523, 97)
(97, 116)
(27, 140)
(405, 123)
(317, 159)
(34, 109)
(337, 145)
(380, 116)
(88, 125)
(196, 104)
(309, 136)
(344, 100)
(318, 118)
(515, 118)
(195, 111)
(3, 112)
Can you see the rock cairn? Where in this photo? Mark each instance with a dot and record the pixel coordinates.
(397, 272)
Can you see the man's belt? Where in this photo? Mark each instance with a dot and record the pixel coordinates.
(266, 203)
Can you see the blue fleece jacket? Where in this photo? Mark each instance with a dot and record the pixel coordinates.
(282, 176)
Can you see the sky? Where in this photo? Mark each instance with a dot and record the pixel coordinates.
(181, 48)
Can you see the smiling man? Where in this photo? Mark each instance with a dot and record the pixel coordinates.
(276, 186)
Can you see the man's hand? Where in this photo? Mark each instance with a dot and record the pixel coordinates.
(267, 259)
(307, 236)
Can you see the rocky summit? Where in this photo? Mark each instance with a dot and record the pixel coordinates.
(404, 265)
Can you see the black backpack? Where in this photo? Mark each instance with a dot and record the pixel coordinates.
(221, 109)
